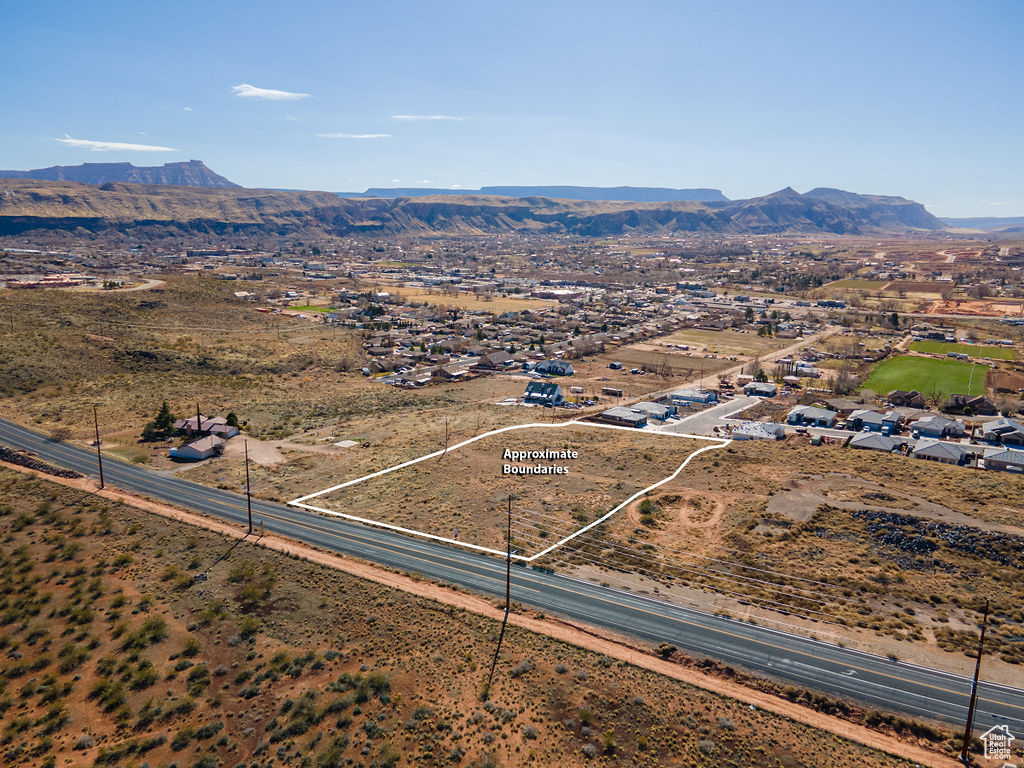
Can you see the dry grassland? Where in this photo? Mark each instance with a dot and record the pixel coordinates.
(115, 654)
(466, 488)
(901, 550)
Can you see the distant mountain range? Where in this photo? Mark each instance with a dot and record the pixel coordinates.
(191, 174)
(627, 194)
(29, 204)
(988, 223)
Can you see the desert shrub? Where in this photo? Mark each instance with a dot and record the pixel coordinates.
(191, 648)
(334, 755)
(198, 679)
(521, 668)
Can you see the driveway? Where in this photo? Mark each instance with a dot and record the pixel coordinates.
(704, 422)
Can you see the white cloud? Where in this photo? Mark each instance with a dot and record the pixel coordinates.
(112, 146)
(291, 118)
(424, 181)
(395, 181)
(247, 91)
(456, 186)
(187, 109)
(1000, 203)
(353, 135)
(413, 118)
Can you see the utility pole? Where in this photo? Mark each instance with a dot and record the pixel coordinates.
(969, 727)
(99, 453)
(199, 420)
(248, 493)
(508, 598)
(508, 561)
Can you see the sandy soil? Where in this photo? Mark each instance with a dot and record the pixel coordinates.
(956, 307)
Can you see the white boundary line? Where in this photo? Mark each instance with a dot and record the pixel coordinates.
(301, 501)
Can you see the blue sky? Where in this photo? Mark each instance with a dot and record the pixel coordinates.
(920, 99)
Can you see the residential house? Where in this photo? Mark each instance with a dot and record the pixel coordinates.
(759, 430)
(905, 399)
(1003, 431)
(655, 411)
(694, 396)
(545, 393)
(971, 406)
(1006, 459)
(934, 425)
(945, 453)
(843, 405)
(493, 361)
(873, 420)
(624, 417)
(197, 450)
(555, 367)
(810, 415)
(760, 389)
(873, 441)
(206, 426)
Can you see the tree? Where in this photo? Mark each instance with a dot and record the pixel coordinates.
(161, 425)
(749, 315)
(894, 319)
(760, 375)
(232, 420)
(164, 421)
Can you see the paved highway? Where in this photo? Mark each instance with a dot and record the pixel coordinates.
(871, 680)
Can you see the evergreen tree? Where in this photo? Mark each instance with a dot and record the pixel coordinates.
(164, 421)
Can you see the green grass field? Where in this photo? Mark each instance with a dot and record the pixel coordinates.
(928, 376)
(309, 308)
(974, 350)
